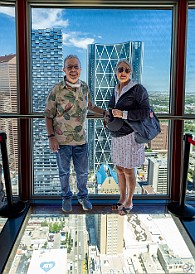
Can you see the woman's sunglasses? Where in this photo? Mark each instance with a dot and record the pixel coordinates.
(121, 69)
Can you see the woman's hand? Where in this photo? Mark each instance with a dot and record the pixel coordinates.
(117, 113)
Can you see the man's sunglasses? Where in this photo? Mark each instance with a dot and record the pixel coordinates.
(121, 69)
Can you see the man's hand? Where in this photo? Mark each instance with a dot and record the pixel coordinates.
(106, 118)
(53, 144)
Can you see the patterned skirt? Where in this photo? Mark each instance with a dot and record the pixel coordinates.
(125, 152)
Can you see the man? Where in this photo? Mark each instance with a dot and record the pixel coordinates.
(65, 115)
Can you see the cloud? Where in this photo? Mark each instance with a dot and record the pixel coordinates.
(66, 37)
(81, 42)
(48, 18)
(10, 11)
(77, 39)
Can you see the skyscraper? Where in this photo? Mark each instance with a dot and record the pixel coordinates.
(102, 60)
(157, 175)
(47, 63)
(8, 95)
(109, 233)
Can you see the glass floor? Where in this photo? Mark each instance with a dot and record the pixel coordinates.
(101, 244)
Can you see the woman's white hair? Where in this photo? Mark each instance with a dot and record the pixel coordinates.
(123, 61)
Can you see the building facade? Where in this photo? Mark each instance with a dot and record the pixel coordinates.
(157, 175)
(8, 95)
(109, 229)
(47, 64)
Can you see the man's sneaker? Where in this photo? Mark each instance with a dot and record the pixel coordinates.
(86, 204)
(67, 205)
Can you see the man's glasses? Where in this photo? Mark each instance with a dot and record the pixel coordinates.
(121, 69)
(70, 67)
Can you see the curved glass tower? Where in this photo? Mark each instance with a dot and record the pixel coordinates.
(102, 60)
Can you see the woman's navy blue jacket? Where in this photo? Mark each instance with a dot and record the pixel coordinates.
(136, 102)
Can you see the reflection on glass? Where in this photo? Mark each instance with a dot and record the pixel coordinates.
(189, 128)
(148, 37)
(105, 243)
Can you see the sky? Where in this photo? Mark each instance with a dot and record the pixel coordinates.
(81, 27)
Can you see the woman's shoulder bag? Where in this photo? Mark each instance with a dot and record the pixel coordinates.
(146, 130)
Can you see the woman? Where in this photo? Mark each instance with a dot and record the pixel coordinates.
(129, 102)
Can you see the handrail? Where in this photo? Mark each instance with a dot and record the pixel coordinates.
(180, 209)
(94, 116)
(11, 209)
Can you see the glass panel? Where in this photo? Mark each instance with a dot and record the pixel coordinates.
(8, 88)
(190, 64)
(148, 49)
(189, 128)
(151, 177)
(102, 243)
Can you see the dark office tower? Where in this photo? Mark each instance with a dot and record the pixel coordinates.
(102, 60)
(47, 63)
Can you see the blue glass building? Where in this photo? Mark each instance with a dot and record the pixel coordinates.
(47, 64)
(102, 60)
